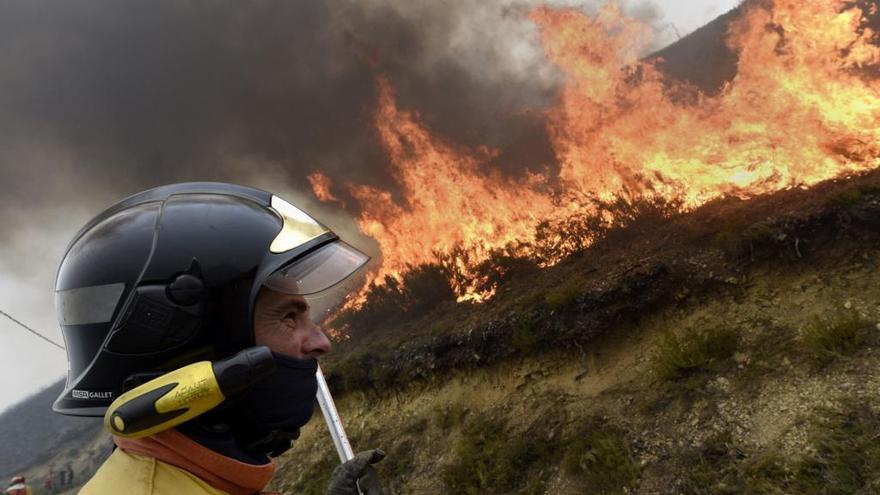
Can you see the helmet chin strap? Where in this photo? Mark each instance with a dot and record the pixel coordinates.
(273, 443)
(266, 419)
(224, 432)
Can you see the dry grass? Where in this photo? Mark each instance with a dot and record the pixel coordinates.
(842, 457)
(836, 335)
(600, 456)
(492, 459)
(686, 359)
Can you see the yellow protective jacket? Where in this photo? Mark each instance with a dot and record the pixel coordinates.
(133, 474)
(19, 489)
(169, 463)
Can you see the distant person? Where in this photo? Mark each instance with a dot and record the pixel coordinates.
(188, 274)
(68, 478)
(18, 486)
(49, 482)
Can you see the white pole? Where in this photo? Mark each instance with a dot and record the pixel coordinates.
(331, 416)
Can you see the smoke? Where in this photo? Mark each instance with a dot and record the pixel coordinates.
(132, 95)
(101, 99)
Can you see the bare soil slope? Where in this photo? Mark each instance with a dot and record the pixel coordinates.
(730, 350)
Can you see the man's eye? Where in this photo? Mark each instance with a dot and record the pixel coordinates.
(291, 315)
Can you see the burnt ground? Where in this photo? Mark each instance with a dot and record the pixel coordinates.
(561, 383)
(558, 384)
(635, 272)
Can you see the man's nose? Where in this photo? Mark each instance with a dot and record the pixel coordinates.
(316, 344)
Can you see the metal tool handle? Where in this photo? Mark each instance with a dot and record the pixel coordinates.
(334, 423)
(331, 416)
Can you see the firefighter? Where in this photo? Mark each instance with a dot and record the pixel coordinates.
(204, 289)
(49, 480)
(18, 486)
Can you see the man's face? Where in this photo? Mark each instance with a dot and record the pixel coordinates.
(282, 323)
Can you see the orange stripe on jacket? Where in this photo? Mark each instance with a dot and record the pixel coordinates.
(221, 472)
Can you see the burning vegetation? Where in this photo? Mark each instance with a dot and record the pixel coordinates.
(629, 144)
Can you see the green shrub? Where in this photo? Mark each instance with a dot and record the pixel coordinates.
(523, 337)
(845, 199)
(529, 302)
(739, 237)
(870, 189)
(842, 456)
(313, 479)
(719, 466)
(601, 456)
(727, 238)
(838, 334)
(565, 294)
(417, 426)
(689, 357)
(420, 289)
(759, 233)
(845, 453)
(351, 373)
(383, 376)
(708, 466)
(397, 466)
(449, 415)
(574, 234)
(640, 211)
(764, 473)
(490, 460)
(424, 287)
(502, 264)
(618, 218)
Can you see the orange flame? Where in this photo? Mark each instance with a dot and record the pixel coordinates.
(792, 115)
(800, 110)
(450, 198)
(321, 186)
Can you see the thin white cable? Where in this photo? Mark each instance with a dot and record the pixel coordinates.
(31, 330)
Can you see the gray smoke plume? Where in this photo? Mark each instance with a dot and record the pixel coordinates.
(119, 95)
(101, 99)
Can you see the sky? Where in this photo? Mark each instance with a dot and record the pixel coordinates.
(687, 16)
(101, 100)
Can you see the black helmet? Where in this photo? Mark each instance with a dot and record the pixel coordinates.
(169, 276)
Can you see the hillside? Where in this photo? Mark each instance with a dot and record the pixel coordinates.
(702, 58)
(730, 350)
(34, 437)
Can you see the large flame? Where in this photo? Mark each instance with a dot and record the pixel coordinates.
(450, 199)
(801, 109)
(794, 114)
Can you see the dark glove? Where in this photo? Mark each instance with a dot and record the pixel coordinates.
(357, 472)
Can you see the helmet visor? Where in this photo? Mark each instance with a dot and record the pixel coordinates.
(318, 270)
